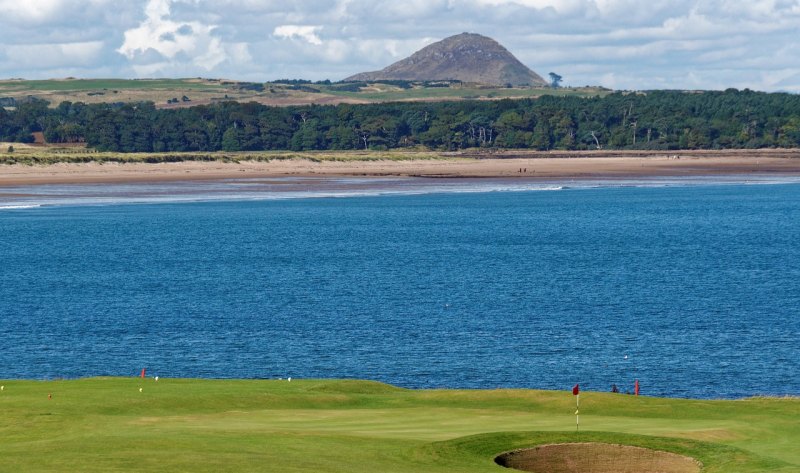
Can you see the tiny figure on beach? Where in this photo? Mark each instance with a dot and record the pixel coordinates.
(614, 388)
(636, 387)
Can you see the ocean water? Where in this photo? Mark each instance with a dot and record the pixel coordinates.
(691, 287)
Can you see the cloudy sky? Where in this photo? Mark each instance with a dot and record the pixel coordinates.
(622, 44)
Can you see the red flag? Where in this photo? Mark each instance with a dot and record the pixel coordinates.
(142, 375)
(575, 390)
(636, 387)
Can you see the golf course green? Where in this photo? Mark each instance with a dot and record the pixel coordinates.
(133, 424)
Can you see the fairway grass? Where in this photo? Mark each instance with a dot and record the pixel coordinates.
(107, 424)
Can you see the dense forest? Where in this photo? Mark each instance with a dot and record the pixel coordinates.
(652, 120)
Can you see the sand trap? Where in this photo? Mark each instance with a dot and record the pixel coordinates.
(596, 458)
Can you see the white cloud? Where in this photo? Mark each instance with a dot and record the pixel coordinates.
(168, 38)
(562, 6)
(306, 33)
(55, 55)
(27, 11)
(42, 12)
(179, 42)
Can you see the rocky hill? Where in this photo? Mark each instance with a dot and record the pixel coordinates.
(466, 57)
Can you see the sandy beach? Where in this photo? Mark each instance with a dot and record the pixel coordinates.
(543, 165)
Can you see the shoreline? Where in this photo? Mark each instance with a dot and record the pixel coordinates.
(543, 166)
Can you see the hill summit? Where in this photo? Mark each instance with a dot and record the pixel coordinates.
(467, 57)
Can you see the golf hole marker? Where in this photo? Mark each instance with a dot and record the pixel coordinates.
(576, 391)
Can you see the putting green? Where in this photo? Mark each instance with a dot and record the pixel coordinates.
(107, 424)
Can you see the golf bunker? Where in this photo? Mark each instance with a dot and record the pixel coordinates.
(596, 458)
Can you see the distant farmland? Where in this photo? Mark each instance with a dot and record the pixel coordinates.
(170, 93)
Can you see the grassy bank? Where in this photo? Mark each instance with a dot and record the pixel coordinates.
(107, 424)
(39, 155)
(46, 155)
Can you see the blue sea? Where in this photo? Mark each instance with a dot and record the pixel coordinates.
(691, 286)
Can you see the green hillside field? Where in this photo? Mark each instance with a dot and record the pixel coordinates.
(200, 91)
(132, 424)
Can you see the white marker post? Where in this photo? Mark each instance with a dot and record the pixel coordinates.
(576, 391)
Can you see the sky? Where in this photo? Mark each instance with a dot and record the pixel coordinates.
(620, 44)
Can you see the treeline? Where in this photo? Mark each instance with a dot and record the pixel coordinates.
(654, 120)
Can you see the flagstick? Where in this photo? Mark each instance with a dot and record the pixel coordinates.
(577, 409)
